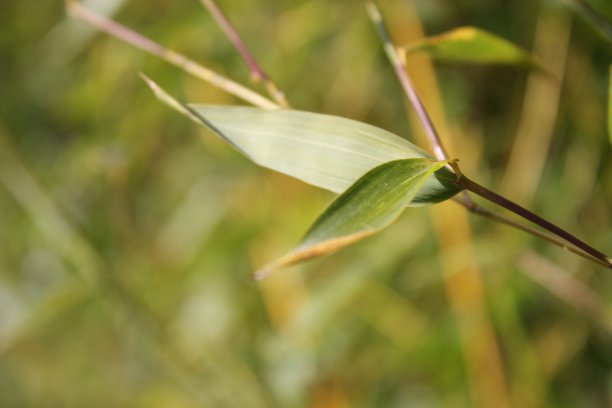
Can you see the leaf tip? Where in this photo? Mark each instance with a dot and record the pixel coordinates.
(169, 100)
(467, 33)
(157, 90)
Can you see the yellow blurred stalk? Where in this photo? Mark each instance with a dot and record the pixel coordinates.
(524, 171)
(464, 284)
(540, 107)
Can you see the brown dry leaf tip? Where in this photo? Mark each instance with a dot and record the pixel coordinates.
(321, 249)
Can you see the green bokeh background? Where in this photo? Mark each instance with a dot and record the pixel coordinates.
(127, 234)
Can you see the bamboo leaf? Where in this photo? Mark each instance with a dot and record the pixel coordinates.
(472, 45)
(365, 208)
(323, 150)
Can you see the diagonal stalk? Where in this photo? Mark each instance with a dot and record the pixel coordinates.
(492, 196)
(597, 20)
(400, 70)
(463, 281)
(257, 73)
(479, 210)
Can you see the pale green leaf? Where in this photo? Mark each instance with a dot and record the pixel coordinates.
(326, 151)
(472, 45)
(365, 208)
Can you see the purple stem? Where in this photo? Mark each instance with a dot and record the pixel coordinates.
(257, 73)
(492, 196)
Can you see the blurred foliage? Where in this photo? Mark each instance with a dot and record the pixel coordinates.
(472, 45)
(128, 234)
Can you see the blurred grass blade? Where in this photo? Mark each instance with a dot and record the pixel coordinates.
(595, 18)
(323, 150)
(59, 232)
(368, 206)
(474, 46)
(168, 99)
(610, 105)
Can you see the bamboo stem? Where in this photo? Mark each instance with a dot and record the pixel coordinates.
(479, 210)
(400, 70)
(139, 41)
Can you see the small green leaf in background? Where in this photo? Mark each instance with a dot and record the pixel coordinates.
(323, 150)
(368, 206)
(472, 45)
(610, 105)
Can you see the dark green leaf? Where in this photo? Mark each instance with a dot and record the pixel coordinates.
(327, 151)
(368, 206)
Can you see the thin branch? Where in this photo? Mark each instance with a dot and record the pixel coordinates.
(479, 210)
(400, 70)
(131, 37)
(257, 73)
(484, 192)
(402, 75)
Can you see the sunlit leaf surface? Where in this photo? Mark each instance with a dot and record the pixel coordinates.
(326, 151)
(368, 206)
